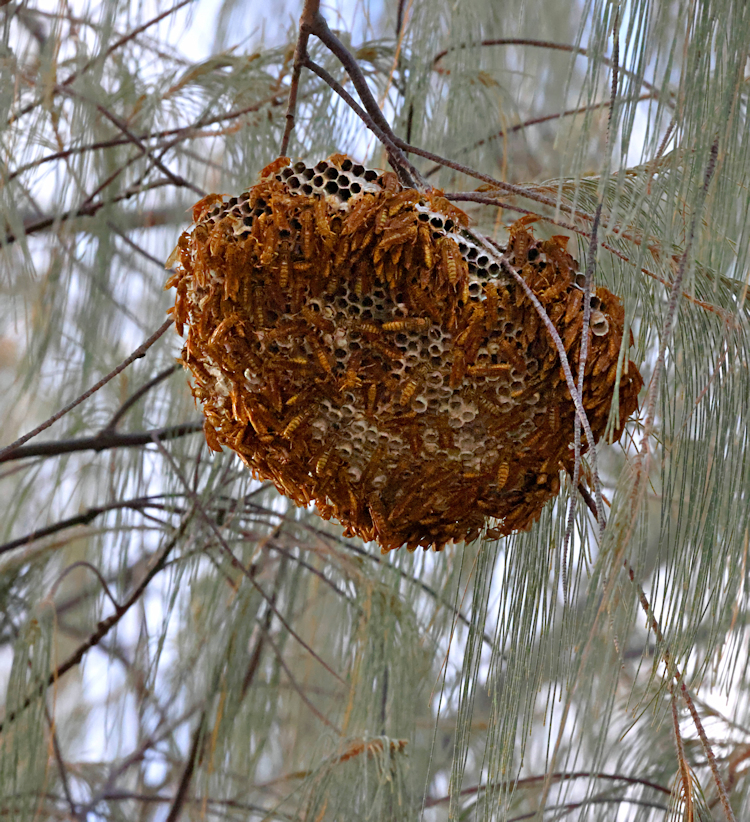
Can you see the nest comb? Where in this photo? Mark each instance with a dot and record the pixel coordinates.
(354, 345)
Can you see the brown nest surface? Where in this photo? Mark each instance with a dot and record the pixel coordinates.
(358, 346)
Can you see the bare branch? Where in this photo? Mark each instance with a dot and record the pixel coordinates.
(306, 21)
(8, 452)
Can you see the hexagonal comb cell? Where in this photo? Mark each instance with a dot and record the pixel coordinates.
(349, 339)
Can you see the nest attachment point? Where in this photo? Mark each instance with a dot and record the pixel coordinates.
(356, 344)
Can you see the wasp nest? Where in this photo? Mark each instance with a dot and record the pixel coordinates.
(356, 345)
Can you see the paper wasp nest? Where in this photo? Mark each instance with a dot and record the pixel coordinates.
(354, 345)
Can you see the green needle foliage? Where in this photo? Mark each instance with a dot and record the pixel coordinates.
(180, 642)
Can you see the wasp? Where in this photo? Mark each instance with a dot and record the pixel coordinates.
(212, 438)
(503, 470)
(491, 305)
(270, 244)
(497, 370)
(556, 250)
(381, 220)
(444, 206)
(322, 461)
(458, 369)
(369, 328)
(285, 264)
(397, 236)
(233, 271)
(307, 220)
(222, 328)
(477, 315)
(362, 239)
(321, 355)
(396, 256)
(448, 262)
(284, 331)
(321, 275)
(258, 313)
(239, 408)
(520, 240)
(295, 399)
(378, 516)
(401, 200)
(425, 239)
(572, 332)
(256, 420)
(321, 223)
(350, 379)
(316, 319)
(553, 417)
(390, 184)
(297, 295)
(372, 393)
(203, 206)
(574, 306)
(488, 406)
(354, 503)
(389, 351)
(399, 510)
(359, 215)
(275, 166)
(273, 392)
(362, 283)
(410, 389)
(603, 361)
(407, 324)
(342, 252)
(555, 290)
(295, 423)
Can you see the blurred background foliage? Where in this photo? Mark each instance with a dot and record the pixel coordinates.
(176, 640)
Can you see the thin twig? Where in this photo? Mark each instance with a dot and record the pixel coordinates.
(546, 44)
(674, 299)
(583, 354)
(136, 355)
(535, 121)
(134, 397)
(334, 84)
(195, 499)
(176, 179)
(187, 773)
(137, 248)
(484, 199)
(687, 787)
(84, 518)
(89, 210)
(560, 776)
(102, 57)
(298, 690)
(75, 812)
(309, 11)
(674, 672)
(94, 570)
(494, 250)
(103, 441)
(103, 628)
(408, 174)
(190, 132)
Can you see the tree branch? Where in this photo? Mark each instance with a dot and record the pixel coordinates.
(103, 628)
(7, 452)
(306, 20)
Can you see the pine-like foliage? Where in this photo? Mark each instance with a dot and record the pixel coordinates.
(179, 640)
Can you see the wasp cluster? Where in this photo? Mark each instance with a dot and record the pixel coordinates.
(354, 343)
